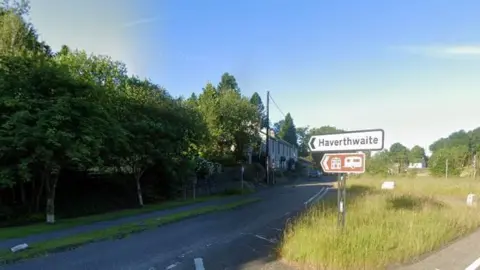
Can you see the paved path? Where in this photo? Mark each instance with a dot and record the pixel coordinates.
(463, 254)
(237, 239)
(35, 238)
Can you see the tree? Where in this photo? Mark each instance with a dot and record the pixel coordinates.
(399, 155)
(256, 100)
(302, 134)
(228, 82)
(458, 138)
(21, 7)
(379, 164)
(278, 126)
(288, 131)
(53, 120)
(16, 35)
(417, 154)
(232, 120)
(456, 156)
(101, 71)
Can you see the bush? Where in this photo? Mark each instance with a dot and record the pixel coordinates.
(254, 172)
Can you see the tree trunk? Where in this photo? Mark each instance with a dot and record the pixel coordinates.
(39, 193)
(194, 187)
(21, 186)
(193, 191)
(50, 188)
(14, 195)
(31, 207)
(139, 187)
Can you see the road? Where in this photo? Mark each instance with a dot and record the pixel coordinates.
(36, 238)
(239, 239)
(463, 254)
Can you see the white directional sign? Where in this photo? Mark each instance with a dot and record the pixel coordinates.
(361, 140)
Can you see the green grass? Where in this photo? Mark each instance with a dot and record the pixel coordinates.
(22, 231)
(121, 231)
(383, 228)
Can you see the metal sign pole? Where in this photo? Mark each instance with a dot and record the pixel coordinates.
(341, 196)
(344, 197)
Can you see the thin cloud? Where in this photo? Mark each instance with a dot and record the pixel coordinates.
(455, 51)
(463, 50)
(141, 21)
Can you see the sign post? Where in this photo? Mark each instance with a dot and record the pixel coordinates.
(341, 201)
(341, 157)
(343, 164)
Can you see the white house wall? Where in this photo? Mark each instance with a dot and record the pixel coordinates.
(277, 149)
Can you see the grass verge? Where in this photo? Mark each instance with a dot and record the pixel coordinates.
(383, 228)
(22, 231)
(116, 232)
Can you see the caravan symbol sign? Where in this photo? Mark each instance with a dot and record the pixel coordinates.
(361, 140)
(343, 163)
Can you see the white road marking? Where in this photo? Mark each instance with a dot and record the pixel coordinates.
(171, 266)
(186, 253)
(198, 264)
(474, 265)
(320, 194)
(263, 238)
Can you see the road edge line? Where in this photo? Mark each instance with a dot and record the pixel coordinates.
(321, 193)
(474, 265)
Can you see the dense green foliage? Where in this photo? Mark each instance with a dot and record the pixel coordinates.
(451, 156)
(77, 131)
(77, 127)
(454, 155)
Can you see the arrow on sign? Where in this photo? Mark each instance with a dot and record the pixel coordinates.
(343, 163)
(325, 163)
(312, 145)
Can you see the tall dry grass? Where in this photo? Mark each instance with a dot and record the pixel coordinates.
(382, 227)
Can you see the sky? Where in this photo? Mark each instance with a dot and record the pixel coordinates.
(409, 67)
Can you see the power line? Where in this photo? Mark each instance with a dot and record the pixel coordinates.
(278, 107)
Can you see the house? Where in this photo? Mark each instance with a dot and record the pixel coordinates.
(417, 165)
(279, 148)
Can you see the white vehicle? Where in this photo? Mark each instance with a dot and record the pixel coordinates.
(353, 162)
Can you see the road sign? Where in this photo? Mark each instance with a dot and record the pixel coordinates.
(343, 163)
(360, 140)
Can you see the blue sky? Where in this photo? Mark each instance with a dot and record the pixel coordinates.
(410, 67)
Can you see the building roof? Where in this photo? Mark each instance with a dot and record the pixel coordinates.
(278, 139)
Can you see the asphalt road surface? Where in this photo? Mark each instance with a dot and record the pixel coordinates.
(239, 239)
(463, 254)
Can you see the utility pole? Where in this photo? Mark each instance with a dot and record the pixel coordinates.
(446, 168)
(267, 140)
(475, 166)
